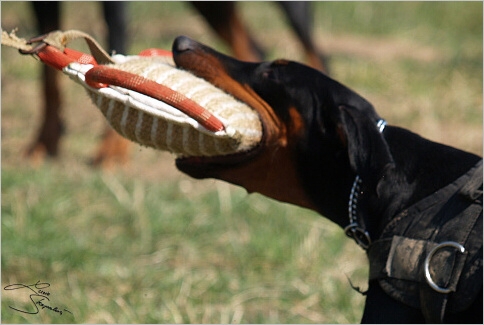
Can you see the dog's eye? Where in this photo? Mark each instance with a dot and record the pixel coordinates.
(269, 75)
(272, 72)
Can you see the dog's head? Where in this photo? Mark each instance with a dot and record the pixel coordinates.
(317, 133)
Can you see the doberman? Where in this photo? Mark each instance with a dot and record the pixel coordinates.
(325, 148)
(222, 16)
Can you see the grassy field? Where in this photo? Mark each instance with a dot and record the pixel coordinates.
(143, 243)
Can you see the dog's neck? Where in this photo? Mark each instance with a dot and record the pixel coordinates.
(421, 168)
(356, 226)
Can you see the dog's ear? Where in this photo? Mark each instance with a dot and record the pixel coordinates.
(368, 151)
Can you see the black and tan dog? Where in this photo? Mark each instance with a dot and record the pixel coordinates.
(414, 205)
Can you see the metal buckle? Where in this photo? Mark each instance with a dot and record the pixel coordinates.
(428, 277)
(360, 235)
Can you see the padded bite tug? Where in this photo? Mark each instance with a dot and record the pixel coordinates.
(148, 100)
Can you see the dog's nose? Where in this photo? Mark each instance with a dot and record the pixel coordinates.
(183, 44)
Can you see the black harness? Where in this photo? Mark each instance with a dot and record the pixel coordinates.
(430, 255)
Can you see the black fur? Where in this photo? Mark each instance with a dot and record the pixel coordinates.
(340, 140)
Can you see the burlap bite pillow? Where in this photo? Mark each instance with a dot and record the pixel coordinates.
(149, 101)
(156, 124)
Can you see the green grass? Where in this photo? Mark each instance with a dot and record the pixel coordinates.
(145, 244)
(148, 254)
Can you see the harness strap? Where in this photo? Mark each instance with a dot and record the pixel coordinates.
(434, 304)
(403, 260)
(419, 261)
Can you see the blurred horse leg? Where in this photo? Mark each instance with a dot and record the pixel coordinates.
(51, 129)
(301, 20)
(113, 148)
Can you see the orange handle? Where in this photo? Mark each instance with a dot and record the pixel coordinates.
(155, 52)
(58, 59)
(100, 76)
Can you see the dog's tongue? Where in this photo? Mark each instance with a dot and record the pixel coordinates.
(176, 122)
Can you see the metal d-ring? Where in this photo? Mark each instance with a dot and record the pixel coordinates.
(36, 49)
(428, 277)
(360, 235)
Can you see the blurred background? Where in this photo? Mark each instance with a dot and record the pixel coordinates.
(142, 243)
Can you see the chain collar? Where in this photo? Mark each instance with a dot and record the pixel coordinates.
(354, 230)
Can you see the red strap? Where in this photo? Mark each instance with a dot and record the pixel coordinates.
(100, 76)
(58, 59)
(155, 52)
(80, 56)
